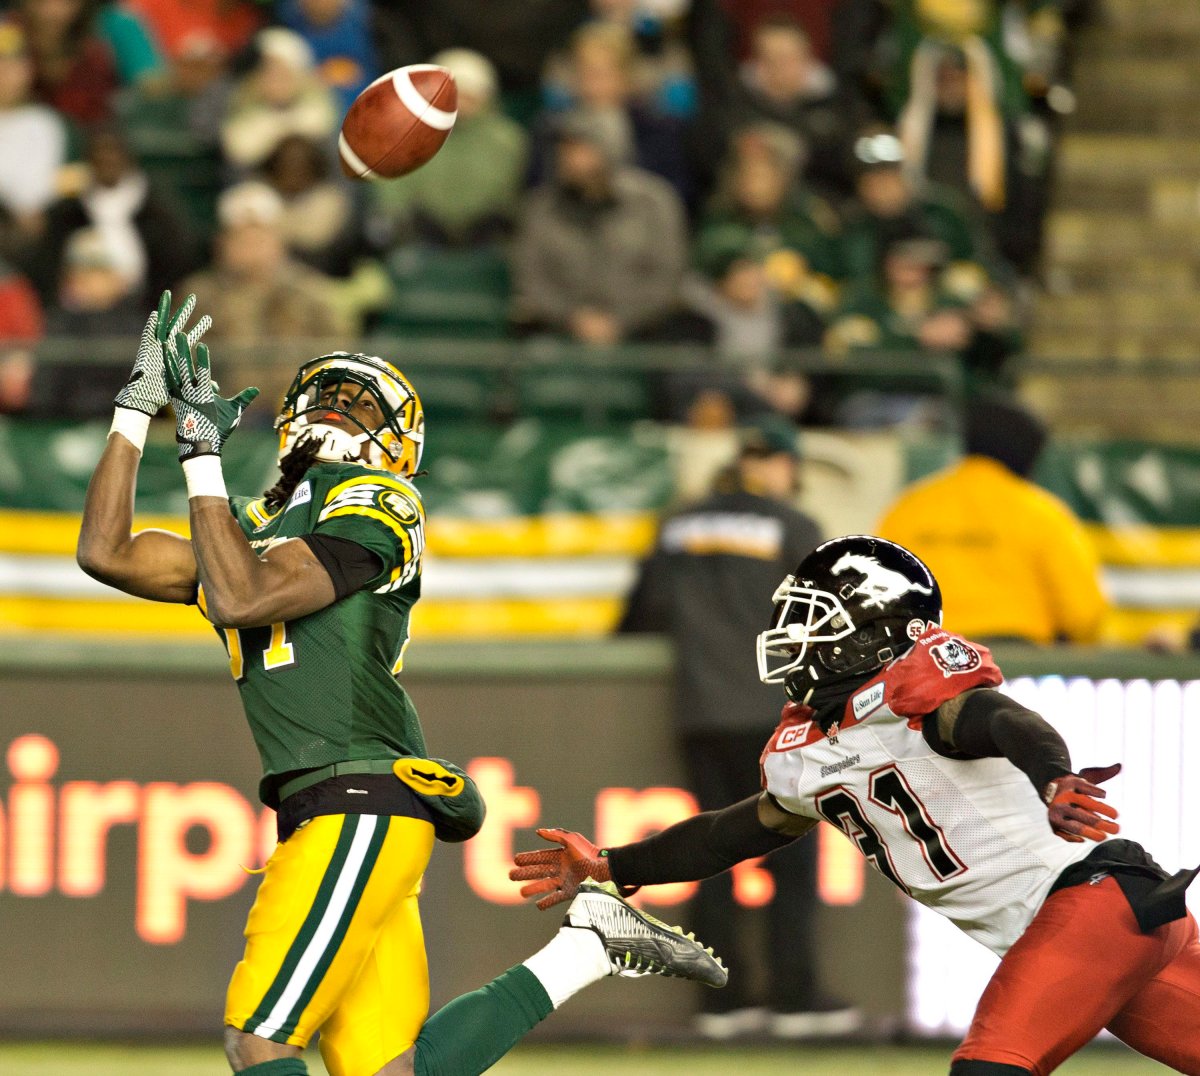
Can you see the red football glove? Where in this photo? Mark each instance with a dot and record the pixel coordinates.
(559, 871)
(1075, 805)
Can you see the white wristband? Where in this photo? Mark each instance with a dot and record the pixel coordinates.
(204, 477)
(132, 425)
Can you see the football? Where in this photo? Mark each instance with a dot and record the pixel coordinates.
(398, 122)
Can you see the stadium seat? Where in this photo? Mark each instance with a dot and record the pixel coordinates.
(184, 166)
(588, 394)
(461, 392)
(454, 293)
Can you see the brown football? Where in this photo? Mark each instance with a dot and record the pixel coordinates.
(398, 122)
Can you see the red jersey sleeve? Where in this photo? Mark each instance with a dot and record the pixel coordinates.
(938, 667)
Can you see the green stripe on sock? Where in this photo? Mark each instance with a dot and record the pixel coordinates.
(339, 933)
(470, 1034)
(311, 921)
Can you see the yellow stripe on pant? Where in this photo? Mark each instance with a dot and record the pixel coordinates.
(334, 942)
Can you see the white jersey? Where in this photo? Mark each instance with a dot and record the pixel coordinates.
(968, 838)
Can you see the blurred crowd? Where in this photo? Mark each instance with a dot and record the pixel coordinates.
(746, 177)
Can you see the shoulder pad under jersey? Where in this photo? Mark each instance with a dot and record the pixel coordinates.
(940, 666)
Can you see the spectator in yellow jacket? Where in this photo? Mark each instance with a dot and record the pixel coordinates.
(1013, 561)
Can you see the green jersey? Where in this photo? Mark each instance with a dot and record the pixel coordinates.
(323, 688)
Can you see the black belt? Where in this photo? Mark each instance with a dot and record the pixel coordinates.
(1154, 896)
(337, 769)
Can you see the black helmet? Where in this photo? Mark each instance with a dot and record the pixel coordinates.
(852, 605)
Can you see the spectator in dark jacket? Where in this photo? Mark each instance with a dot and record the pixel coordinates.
(600, 249)
(517, 38)
(783, 82)
(118, 199)
(707, 586)
(97, 299)
(600, 84)
(889, 203)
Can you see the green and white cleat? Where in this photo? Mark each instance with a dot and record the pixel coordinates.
(638, 944)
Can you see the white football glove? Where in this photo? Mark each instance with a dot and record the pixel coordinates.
(146, 389)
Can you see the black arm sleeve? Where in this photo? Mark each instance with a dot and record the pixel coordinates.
(991, 725)
(703, 845)
(350, 565)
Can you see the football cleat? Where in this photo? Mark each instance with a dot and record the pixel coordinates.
(638, 944)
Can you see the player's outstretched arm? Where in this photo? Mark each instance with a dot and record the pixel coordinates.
(986, 723)
(241, 589)
(151, 564)
(698, 847)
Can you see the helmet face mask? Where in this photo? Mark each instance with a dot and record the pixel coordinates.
(336, 383)
(851, 606)
(803, 617)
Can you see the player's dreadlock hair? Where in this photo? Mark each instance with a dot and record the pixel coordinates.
(293, 468)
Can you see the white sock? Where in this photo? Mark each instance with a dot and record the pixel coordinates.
(573, 959)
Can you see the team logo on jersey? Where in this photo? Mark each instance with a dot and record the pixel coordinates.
(792, 736)
(404, 508)
(880, 586)
(954, 656)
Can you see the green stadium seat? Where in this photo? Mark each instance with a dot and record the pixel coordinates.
(186, 167)
(456, 293)
(453, 392)
(587, 394)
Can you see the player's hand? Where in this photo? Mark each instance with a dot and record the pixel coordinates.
(203, 420)
(554, 874)
(146, 389)
(1076, 808)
